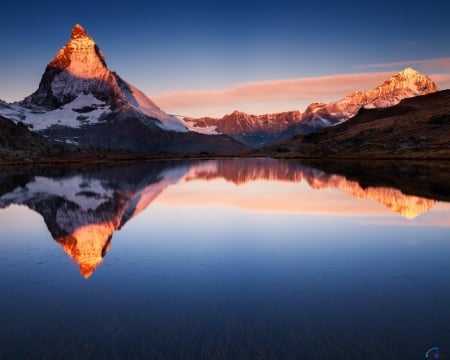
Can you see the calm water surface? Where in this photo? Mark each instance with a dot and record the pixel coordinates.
(223, 259)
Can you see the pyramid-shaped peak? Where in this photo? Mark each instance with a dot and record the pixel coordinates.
(79, 32)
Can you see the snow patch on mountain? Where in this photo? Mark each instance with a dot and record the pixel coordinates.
(193, 125)
(83, 110)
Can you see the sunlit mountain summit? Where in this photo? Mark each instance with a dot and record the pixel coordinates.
(77, 88)
(81, 101)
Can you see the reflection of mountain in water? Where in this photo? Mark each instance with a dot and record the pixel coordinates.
(244, 170)
(406, 205)
(82, 212)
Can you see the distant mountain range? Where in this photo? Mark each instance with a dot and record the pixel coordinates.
(252, 130)
(81, 102)
(83, 211)
(260, 130)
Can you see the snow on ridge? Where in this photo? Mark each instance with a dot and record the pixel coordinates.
(141, 102)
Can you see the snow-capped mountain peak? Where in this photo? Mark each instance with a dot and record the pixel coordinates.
(78, 32)
(409, 80)
(77, 73)
(405, 84)
(81, 56)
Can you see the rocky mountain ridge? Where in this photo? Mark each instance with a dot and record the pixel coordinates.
(260, 130)
(252, 130)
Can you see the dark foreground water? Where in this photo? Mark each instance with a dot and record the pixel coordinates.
(230, 259)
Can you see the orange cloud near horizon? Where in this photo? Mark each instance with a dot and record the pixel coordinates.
(276, 95)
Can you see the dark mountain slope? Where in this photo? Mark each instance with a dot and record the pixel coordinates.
(18, 143)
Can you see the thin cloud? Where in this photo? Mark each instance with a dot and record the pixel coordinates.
(274, 96)
(426, 64)
(295, 91)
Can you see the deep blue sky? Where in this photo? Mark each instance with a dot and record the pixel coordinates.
(164, 46)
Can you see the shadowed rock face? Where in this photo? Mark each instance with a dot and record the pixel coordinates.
(83, 211)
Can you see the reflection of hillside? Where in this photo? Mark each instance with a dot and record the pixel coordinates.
(241, 171)
(82, 212)
(406, 205)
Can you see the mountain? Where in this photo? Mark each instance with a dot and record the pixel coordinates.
(407, 83)
(252, 130)
(259, 130)
(80, 101)
(417, 127)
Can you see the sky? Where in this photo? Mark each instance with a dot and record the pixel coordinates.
(208, 58)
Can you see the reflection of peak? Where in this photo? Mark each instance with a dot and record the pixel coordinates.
(83, 212)
(88, 245)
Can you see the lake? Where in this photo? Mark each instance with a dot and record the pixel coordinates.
(224, 259)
